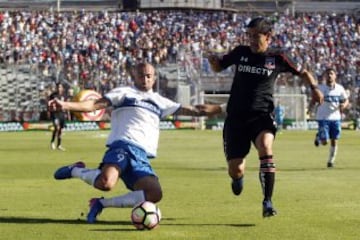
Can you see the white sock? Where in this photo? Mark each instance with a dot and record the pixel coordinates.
(127, 200)
(87, 175)
(332, 154)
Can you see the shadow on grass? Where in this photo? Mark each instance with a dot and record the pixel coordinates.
(196, 169)
(180, 225)
(314, 169)
(308, 169)
(211, 224)
(24, 220)
(175, 225)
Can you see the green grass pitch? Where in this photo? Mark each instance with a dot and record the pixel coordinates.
(313, 202)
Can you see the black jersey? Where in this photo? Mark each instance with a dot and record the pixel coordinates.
(255, 74)
(57, 114)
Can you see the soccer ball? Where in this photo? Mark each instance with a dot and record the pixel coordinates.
(145, 215)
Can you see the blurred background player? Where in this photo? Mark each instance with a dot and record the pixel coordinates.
(58, 117)
(250, 106)
(132, 142)
(328, 114)
(279, 113)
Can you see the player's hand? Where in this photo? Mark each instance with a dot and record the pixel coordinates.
(317, 96)
(214, 63)
(342, 107)
(213, 59)
(55, 105)
(208, 109)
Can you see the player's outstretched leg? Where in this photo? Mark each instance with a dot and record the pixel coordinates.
(268, 210)
(96, 208)
(237, 186)
(65, 172)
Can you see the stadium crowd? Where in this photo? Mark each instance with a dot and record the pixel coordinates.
(93, 50)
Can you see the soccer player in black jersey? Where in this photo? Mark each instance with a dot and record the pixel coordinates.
(250, 106)
(58, 118)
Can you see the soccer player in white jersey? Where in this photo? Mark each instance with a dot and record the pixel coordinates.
(133, 140)
(328, 114)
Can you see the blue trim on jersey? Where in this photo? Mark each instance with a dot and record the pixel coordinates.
(143, 103)
(333, 99)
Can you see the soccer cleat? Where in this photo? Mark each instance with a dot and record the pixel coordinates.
(61, 148)
(316, 141)
(96, 208)
(237, 186)
(65, 172)
(330, 165)
(52, 146)
(268, 210)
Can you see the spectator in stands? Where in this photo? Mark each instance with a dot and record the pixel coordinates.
(103, 42)
(328, 113)
(251, 105)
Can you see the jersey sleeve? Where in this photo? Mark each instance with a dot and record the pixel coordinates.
(115, 96)
(230, 58)
(167, 106)
(289, 65)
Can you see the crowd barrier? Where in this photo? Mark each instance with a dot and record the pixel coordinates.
(86, 126)
(164, 125)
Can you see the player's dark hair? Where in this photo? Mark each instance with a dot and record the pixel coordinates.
(262, 24)
(330, 69)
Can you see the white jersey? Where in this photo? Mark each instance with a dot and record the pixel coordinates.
(330, 109)
(136, 115)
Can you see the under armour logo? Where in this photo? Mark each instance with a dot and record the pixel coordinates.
(243, 59)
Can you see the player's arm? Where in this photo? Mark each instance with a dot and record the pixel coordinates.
(188, 111)
(344, 104)
(215, 63)
(84, 106)
(202, 110)
(311, 106)
(307, 77)
(211, 109)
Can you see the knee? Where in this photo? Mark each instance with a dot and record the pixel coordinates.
(153, 195)
(104, 183)
(235, 173)
(236, 168)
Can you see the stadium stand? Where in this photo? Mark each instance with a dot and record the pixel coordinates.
(99, 46)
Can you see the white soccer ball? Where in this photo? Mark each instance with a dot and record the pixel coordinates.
(145, 215)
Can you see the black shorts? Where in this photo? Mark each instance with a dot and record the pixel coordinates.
(58, 119)
(239, 133)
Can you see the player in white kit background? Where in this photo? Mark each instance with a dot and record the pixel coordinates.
(328, 114)
(133, 141)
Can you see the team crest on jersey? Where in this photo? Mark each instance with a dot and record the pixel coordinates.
(270, 63)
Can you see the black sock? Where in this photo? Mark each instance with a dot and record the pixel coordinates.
(267, 176)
